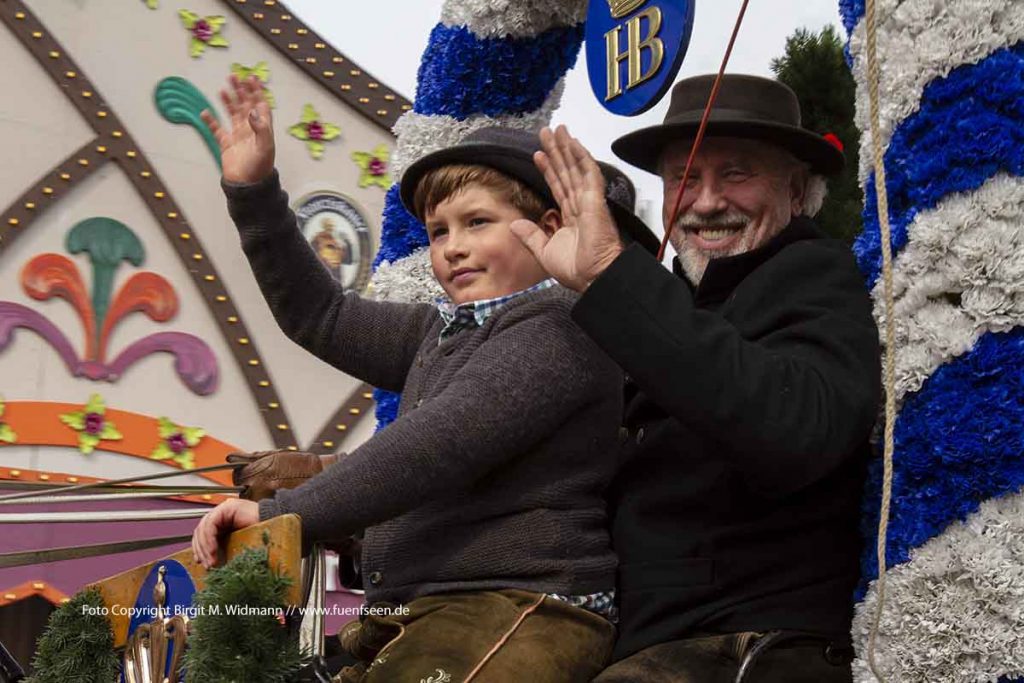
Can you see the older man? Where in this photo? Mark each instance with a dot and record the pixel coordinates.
(753, 386)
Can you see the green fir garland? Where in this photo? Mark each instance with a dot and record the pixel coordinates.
(228, 646)
(77, 645)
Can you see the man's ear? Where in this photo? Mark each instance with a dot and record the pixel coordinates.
(798, 179)
(550, 222)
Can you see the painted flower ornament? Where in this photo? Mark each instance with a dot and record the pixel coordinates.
(176, 443)
(92, 424)
(205, 31)
(374, 167)
(314, 131)
(262, 72)
(7, 434)
(107, 243)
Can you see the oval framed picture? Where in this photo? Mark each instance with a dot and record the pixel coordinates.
(339, 234)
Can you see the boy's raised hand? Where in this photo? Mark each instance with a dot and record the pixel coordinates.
(247, 149)
(588, 241)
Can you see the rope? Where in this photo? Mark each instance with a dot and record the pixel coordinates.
(700, 132)
(890, 332)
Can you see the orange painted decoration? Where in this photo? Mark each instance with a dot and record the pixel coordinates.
(9, 596)
(38, 424)
(146, 292)
(50, 275)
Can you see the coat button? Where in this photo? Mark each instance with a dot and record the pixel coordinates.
(623, 435)
(376, 578)
(419, 402)
(640, 436)
(419, 361)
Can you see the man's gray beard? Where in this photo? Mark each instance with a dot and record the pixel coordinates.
(694, 261)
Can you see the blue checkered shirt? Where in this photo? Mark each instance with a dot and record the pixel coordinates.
(473, 313)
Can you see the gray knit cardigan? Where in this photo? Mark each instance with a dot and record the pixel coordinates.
(493, 474)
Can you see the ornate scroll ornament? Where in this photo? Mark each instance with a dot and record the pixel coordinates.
(620, 8)
(154, 651)
(180, 102)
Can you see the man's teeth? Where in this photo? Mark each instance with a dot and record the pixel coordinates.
(716, 234)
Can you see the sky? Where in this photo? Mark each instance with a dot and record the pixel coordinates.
(387, 39)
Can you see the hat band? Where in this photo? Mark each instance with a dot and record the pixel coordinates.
(720, 114)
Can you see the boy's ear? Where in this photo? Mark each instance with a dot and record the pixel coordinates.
(550, 221)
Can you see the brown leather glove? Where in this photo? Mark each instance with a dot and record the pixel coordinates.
(267, 471)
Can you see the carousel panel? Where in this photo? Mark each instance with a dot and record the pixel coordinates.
(129, 51)
(39, 127)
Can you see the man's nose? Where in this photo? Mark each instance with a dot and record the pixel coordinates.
(708, 200)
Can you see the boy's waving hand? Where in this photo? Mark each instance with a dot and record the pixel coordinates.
(247, 149)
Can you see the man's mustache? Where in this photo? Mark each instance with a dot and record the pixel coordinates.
(733, 220)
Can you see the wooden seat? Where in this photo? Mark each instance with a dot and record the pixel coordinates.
(285, 557)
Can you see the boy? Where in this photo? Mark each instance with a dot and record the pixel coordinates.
(482, 503)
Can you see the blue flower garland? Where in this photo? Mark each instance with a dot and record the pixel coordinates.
(966, 131)
(851, 11)
(402, 233)
(959, 442)
(462, 75)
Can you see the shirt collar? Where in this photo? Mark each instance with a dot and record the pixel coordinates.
(475, 313)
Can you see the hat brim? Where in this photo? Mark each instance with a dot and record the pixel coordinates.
(643, 148)
(630, 225)
(513, 163)
(519, 165)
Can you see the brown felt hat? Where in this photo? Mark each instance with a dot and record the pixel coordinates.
(746, 107)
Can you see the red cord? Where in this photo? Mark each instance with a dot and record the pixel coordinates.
(700, 132)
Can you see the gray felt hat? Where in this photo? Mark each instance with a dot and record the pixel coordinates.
(510, 151)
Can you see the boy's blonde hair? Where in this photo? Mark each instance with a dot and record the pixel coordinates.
(447, 181)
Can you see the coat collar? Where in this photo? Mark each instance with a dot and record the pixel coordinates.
(723, 275)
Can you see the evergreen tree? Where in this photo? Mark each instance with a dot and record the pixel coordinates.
(815, 68)
(77, 645)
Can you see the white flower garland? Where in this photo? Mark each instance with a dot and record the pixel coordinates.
(419, 135)
(958, 277)
(959, 607)
(512, 18)
(919, 41)
(408, 280)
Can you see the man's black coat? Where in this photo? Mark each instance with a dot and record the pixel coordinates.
(750, 401)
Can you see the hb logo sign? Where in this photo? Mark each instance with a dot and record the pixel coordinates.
(635, 49)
